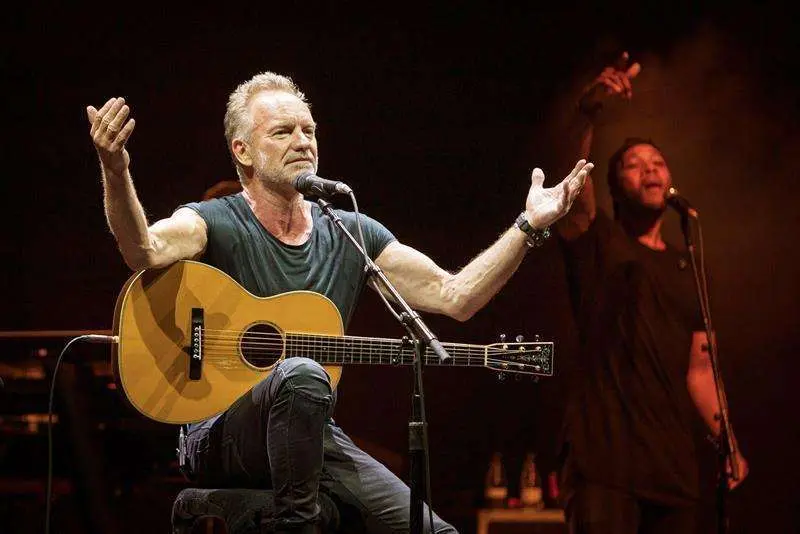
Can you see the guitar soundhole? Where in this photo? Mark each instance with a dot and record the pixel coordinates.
(261, 345)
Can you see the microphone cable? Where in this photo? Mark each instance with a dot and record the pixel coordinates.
(89, 338)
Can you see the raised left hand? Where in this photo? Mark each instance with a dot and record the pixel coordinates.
(544, 206)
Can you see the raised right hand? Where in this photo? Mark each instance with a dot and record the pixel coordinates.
(614, 80)
(110, 129)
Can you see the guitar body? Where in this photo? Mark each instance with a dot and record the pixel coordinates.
(153, 319)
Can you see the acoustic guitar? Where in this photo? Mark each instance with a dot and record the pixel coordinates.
(192, 341)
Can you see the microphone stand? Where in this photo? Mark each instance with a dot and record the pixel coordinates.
(421, 337)
(726, 446)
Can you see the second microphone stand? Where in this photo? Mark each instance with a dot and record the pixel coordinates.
(726, 446)
(422, 338)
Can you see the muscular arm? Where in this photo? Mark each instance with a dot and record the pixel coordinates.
(181, 236)
(428, 287)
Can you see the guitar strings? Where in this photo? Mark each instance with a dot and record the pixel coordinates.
(222, 353)
(221, 345)
(237, 334)
(255, 338)
(220, 363)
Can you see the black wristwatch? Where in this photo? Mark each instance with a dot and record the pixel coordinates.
(535, 237)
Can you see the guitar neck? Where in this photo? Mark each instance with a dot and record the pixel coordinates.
(347, 350)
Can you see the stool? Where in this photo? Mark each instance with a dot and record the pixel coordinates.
(236, 511)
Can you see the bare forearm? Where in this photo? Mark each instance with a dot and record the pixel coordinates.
(703, 391)
(474, 286)
(126, 218)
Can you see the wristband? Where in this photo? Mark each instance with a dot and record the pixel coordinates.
(534, 237)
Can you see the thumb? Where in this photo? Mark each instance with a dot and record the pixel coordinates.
(537, 177)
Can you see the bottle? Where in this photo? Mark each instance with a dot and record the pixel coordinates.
(552, 488)
(496, 489)
(530, 489)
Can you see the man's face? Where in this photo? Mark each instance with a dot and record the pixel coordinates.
(643, 177)
(283, 139)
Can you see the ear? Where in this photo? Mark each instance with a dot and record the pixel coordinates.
(241, 151)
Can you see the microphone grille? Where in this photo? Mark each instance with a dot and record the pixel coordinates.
(302, 178)
(671, 193)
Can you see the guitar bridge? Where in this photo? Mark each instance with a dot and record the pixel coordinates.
(195, 349)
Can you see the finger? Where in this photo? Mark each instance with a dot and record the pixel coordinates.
(111, 113)
(627, 87)
(633, 71)
(537, 177)
(580, 164)
(100, 116)
(577, 183)
(118, 121)
(583, 173)
(91, 113)
(619, 79)
(103, 110)
(123, 135)
(611, 84)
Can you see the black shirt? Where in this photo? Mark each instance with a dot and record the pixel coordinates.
(631, 423)
(327, 263)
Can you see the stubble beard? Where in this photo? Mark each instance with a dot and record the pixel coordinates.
(265, 175)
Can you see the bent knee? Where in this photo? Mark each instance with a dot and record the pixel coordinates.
(306, 374)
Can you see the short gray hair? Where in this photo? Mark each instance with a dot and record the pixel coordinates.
(238, 121)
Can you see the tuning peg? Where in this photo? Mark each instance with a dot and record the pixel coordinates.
(537, 338)
(502, 338)
(501, 377)
(519, 338)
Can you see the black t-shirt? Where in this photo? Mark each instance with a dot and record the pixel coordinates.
(631, 423)
(327, 263)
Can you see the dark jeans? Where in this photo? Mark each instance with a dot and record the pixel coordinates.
(280, 435)
(597, 509)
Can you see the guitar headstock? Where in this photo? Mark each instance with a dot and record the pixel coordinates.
(520, 357)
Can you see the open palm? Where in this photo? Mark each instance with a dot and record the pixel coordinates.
(545, 205)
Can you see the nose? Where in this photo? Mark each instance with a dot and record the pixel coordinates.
(300, 139)
(648, 167)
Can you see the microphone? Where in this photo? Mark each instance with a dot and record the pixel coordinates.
(679, 203)
(308, 183)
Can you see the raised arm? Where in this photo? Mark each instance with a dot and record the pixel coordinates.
(428, 287)
(613, 82)
(181, 236)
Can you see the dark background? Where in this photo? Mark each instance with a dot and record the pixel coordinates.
(435, 114)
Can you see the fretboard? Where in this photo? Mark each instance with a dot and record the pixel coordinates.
(348, 350)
